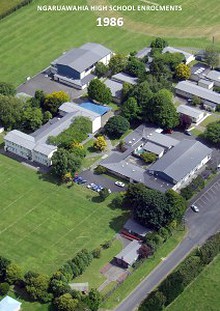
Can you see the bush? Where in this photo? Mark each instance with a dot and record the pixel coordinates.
(4, 288)
(106, 244)
(97, 252)
(100, 170)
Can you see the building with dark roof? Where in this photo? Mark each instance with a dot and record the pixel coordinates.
(75, 67)
(128, 256)
(135, 228)
(181, 163)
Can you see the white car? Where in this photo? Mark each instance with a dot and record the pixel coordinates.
(195, 208)
(119, 184)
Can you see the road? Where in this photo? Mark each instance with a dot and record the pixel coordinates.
(200, 226)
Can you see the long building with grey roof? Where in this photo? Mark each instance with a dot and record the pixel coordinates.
(34, 146)
(75, 66)
(181, 162)
(188, 90)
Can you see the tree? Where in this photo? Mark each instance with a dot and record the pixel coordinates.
(126, 91)
(159, 68)
(58, 287)
(78, 149)
(154, 302)
(116, 126)
(135, 67)
(7, 89)
(93, 299)
(144, 251)
(161, 110)
(148, 157)
(100, 170)
(98, 91)
(104, 193)
(148, 206)
(196, 101)
(66, 303)
(185, 121)
(159, 43)
(4, 288)
(47, 116)
(4, 263)
(182, 72)
(67, 177)
(101, 70)
(212, 56)
(64, 162)
(212, 132)
(37, 287)
(176, 205)
(54, 100)
(130, 109)
(13, 273)
(100, 143)
(11, 111)
(32, 118)
(117, 63)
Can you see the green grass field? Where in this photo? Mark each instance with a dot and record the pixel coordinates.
(203, 294)
(5, 5)
(42, 224)
(30, 39)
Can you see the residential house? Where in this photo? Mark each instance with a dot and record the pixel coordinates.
(122, 77)
(129, 255)
(133, 227)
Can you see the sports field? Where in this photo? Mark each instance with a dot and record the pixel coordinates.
(203, 294)
(30, 39)
(5, 5)
(42, 224)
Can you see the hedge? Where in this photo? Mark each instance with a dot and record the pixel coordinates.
(15, 8)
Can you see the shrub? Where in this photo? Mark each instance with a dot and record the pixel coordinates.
(100, 170)
(97, 252)
(4, 288)
(107, 244)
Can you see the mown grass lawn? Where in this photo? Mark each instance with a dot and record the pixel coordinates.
(138, 275)
(203, 294)
(31, 39)
(92, 273)
(43, 224)
(210, 119)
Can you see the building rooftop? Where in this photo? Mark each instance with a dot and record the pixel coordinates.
(133, 226)
(78, 110)
(24, 140)
(144, 52)
(123, 77)
(161, 139)
(206, 82)
(45, 148)
(189, 111)
(82, 287)
(115, 87)
(9, 304)
(83, 57)
(181, 159)
(130, 253)
(199, 91)
(214, 75)
(151, 147)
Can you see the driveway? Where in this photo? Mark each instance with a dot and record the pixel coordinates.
(200, 227)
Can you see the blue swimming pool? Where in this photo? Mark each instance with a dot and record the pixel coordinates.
(95, 108)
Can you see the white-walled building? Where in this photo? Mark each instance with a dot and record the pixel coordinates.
(75, 67)
(195, 114)
(10, 304)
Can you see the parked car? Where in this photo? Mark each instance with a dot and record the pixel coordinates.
(79, 180)
(188, 133)
(195, 208)
(119, 184)
(168, 131)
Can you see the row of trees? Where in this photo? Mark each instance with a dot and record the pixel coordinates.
(28, 114)
(186, 272)
(55, 289)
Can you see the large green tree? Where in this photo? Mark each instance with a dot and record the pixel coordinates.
(13, 273)
(117, 63)
(66, 303)
(182, 72)
(101, 70)
(98, 91)
(53, 101)
(212, 56)
(32, 118)
(116, 126)
(130, 109)
(65, 162)
(135, 67)
(11, 111)
(37, 286)
(212, 132)
(161, 110)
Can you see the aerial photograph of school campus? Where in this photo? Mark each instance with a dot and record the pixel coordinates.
(109, 155)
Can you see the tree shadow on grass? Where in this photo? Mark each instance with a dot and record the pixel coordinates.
(118, 222)
(97, 199)
(49, 177)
